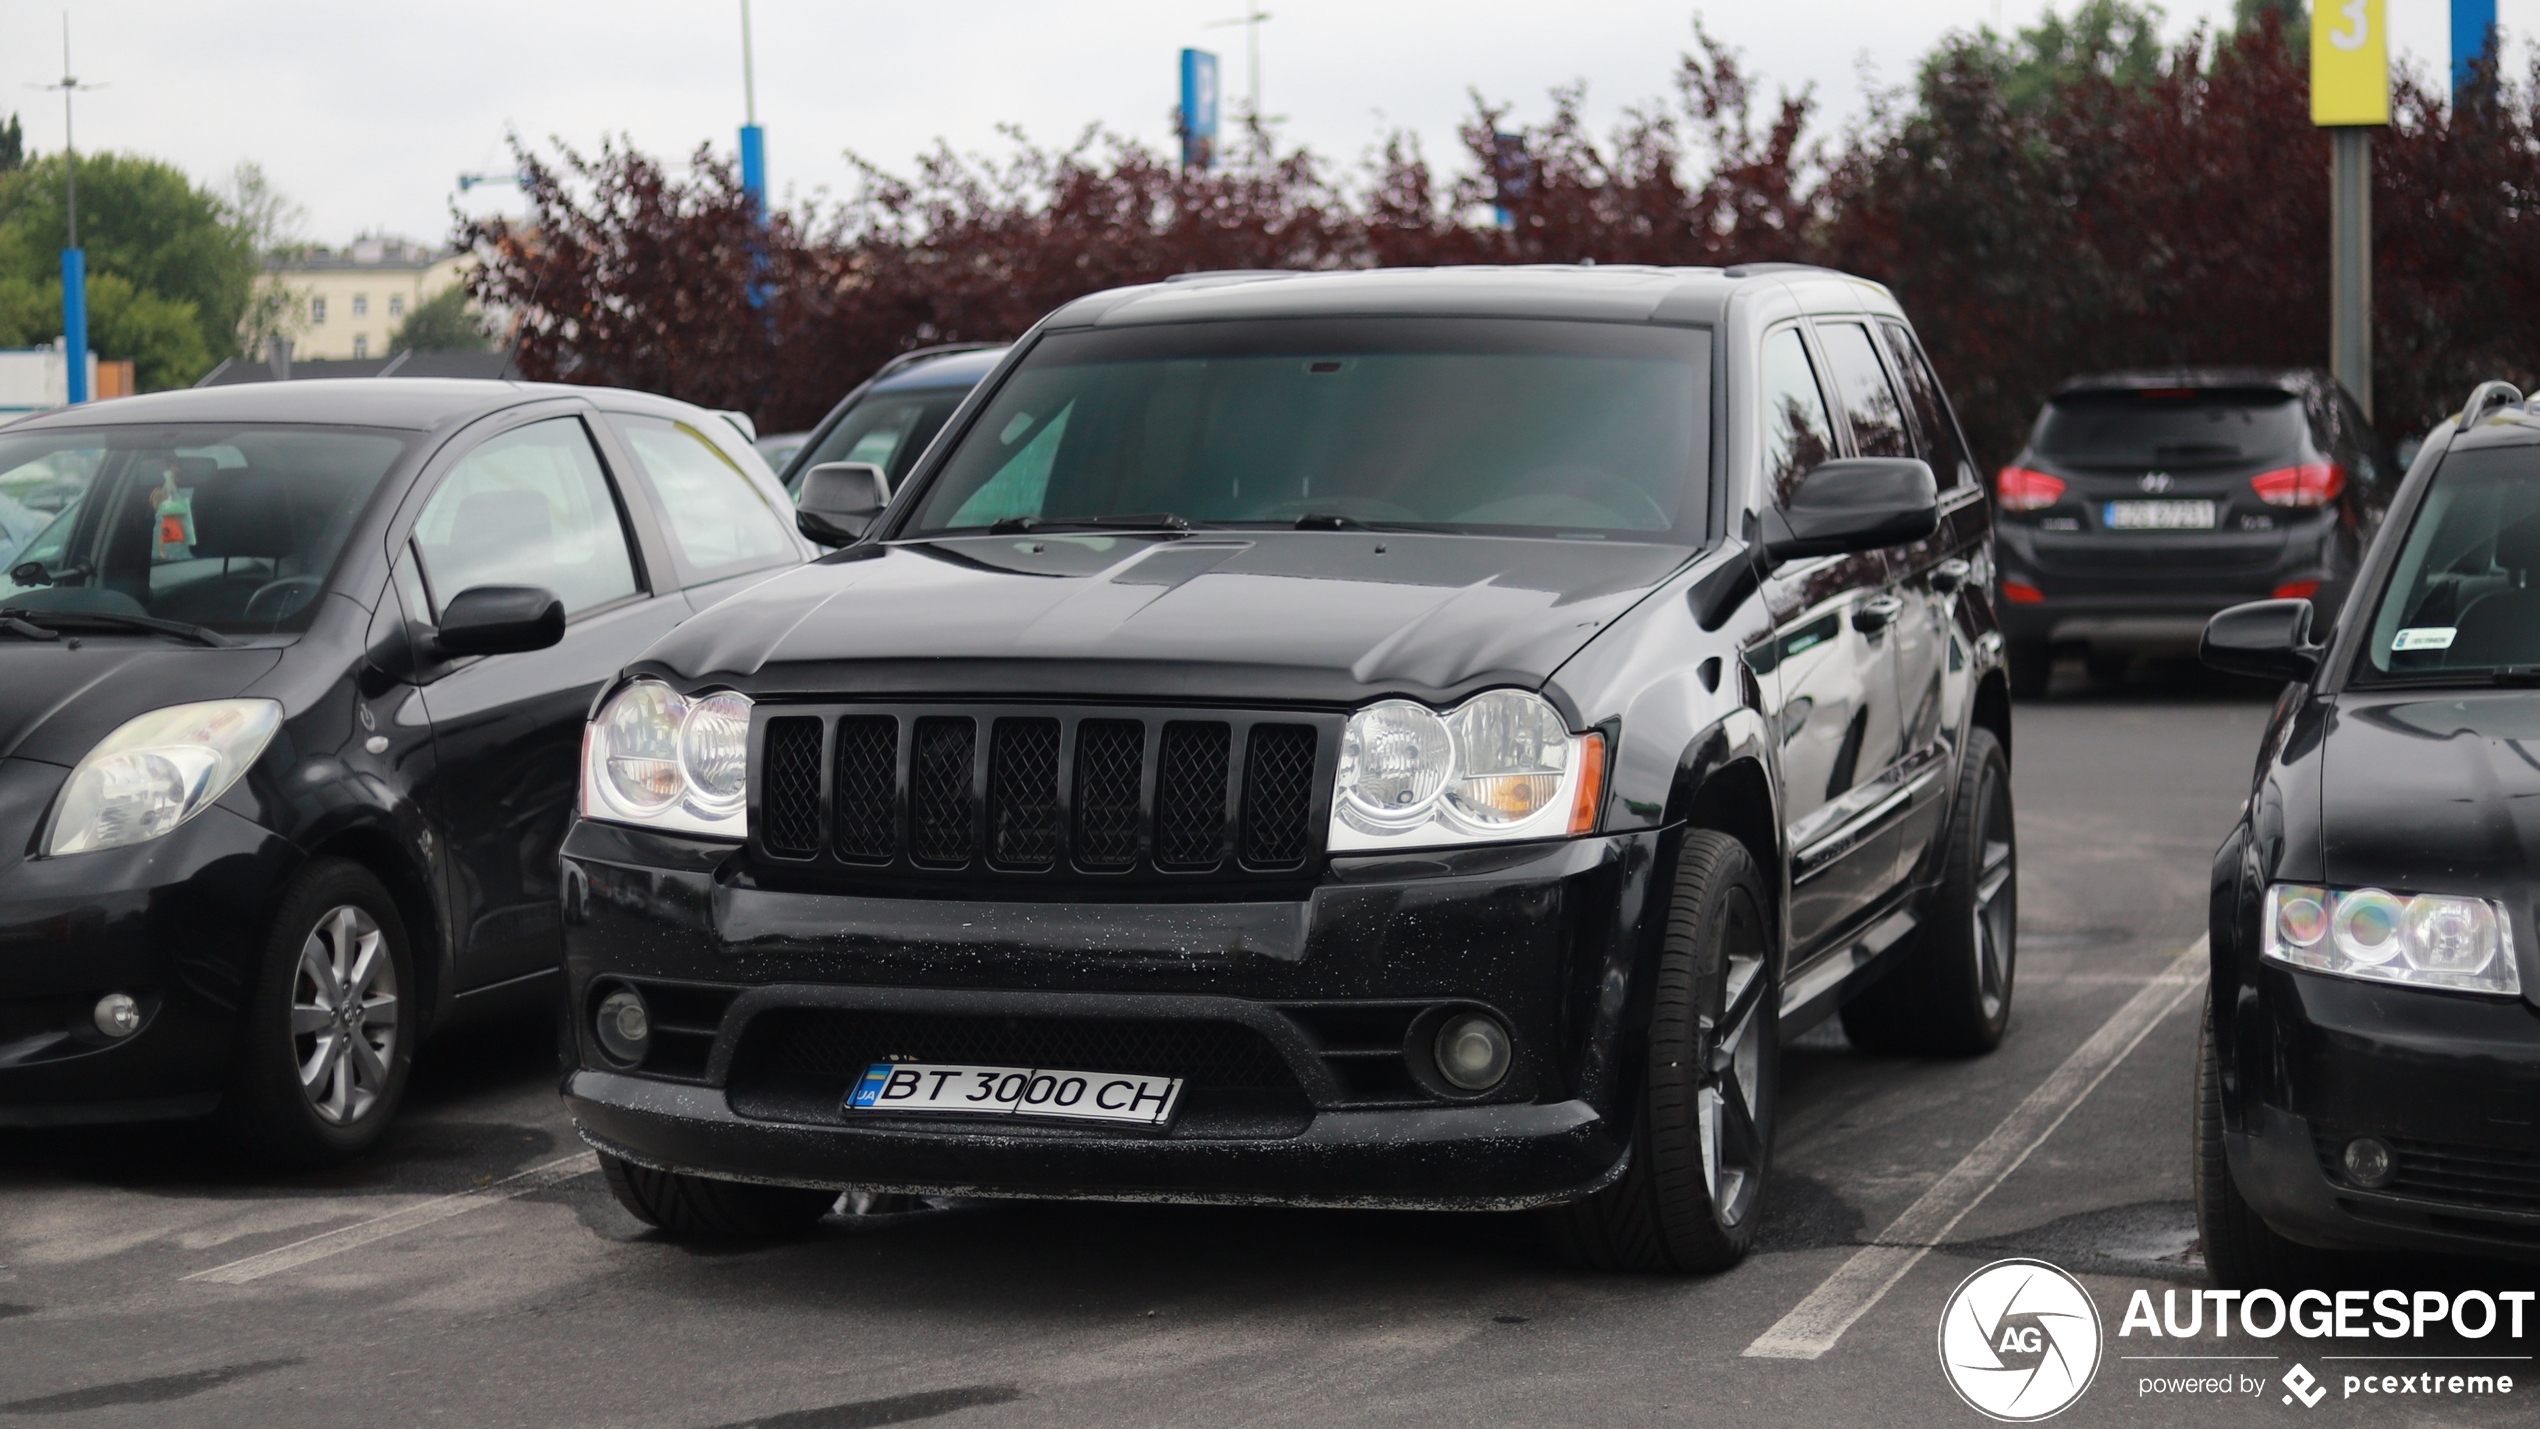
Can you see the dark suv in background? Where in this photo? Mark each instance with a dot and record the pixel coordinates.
(888, 419)
(2146, 501)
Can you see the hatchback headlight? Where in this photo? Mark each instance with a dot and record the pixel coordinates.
(1502, 766)
(2428, 940)
(664, 760)
(156, 771)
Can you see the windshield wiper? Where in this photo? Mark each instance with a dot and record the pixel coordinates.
(58, 620)
(2509, 677)
(25, 631)
(1150, 521)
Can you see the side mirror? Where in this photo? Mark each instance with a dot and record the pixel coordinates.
(500, 620)
(2270, 639)
(841, 500)
(1854, 504)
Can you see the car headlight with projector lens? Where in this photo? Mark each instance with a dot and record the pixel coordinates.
(2422, 940)
(1502, 766)
(663, 760)
(156, 771)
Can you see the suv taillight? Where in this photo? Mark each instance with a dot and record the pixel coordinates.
(2310, 484)
(2021, 489)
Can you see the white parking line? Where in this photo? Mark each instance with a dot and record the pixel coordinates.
(361, 1233)
(1816, 1323)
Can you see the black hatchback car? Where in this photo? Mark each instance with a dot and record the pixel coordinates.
(1391, 738)
(292, 688)
(2146, 501)
(2371, 1063)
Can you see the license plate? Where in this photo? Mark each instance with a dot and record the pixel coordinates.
(2160, 516)
(1015, 1091)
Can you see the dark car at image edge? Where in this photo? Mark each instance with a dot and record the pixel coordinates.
(1415, 738)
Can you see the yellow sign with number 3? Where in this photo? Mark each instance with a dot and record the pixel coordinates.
(2350, 63)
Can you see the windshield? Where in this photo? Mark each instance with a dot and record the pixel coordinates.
(2172, 426)
(229, 527)
(1448, 423)
(888, 431)
(2464, 595)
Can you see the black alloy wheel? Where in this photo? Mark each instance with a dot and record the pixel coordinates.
(701, 1208)
(2242, 1252)
(1950, 996)
(1702, 1136)
(328, 1037)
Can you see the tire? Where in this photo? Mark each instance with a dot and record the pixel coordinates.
(2032, 668)
(2242, 1252)
(1702, 1135)
(315, 1081)
(687, 1207)
(1951, 994)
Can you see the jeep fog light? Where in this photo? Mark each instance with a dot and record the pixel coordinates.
(2368, 1162)
(117, 1015)
(625, 1026)
(1473, 1052)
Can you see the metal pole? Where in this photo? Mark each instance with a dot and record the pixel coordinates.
(753, 138)
(2350, 261)
(74, 262)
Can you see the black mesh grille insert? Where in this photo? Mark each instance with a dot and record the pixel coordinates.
(1190, 795)
(1023, 793)
(839, 1045)
(940, 809)
(789, 802)
(868, 781)
(1278, 794)
(1109, 753)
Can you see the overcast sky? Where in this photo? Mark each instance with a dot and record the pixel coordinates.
(366, 114)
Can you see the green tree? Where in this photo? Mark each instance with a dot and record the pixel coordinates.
(2033, 69)
(442, 323)
(12, 145)
(144, 222)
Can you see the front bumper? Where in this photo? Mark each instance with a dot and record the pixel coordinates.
(1298, 1017)
(2451, 1083)
(176, 923)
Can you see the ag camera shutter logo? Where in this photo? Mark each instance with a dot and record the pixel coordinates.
(2020, 1341)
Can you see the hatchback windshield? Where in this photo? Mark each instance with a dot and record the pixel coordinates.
(1448, 423)
(2464, 596)
(2173, 426)
(229, 527)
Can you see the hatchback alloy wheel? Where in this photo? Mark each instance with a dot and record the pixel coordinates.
(345, 1015)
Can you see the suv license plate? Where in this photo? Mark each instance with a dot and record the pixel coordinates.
(2160, 516)
(1015, 1091)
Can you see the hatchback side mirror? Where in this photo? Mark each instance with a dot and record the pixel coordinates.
(2270, 639)
(841, 500)
(1854, 504)
(500, 620)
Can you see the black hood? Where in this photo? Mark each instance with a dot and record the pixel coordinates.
(1239, 616)
(57, 701)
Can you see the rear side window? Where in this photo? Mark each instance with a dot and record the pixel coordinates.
(889, 431)
(1798, 435)
(718, 521)
(1942, 446)
(1878, 418)
(2171, 426)
(530, 507)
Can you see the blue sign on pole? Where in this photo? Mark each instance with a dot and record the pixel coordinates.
(2473, 28)
(75, 321)
(1199, 109)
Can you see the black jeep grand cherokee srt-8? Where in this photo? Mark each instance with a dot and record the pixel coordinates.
(1414, 738)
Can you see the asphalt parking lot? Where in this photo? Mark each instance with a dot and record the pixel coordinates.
(476, 1271)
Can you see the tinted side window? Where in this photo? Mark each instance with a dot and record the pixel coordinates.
(718, 522)
(1878, 418)
(887, 431)
(1797, 432)
(1942, 446)
(530, 507)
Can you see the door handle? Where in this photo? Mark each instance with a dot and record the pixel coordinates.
(1875, 614)
(1949, 575)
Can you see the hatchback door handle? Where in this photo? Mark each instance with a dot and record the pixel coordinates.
(1949, 575)
(1875, 614)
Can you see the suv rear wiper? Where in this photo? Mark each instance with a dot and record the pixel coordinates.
(1150, 521)
(58, 620)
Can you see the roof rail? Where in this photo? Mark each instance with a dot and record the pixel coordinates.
(916, 355)
(1749, 270)
(2485, 396)
(1228, 275)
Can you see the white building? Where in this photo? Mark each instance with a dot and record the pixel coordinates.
(346, 304)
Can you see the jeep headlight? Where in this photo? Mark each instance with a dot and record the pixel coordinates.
(156, 771)
(1502, 766)
(2428, 940)
(664, 760)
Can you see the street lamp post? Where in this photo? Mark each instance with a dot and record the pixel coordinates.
(74, 259)
(2350, 97)
(1251, 21)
